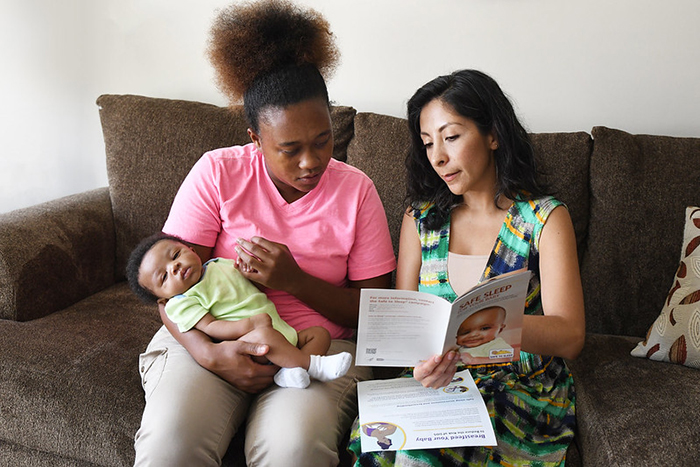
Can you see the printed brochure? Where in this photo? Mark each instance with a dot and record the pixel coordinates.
(401, 328)
(397, 414)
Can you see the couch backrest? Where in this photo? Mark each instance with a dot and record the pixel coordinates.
(563, 160)
(626, 193)
(379, 149)
(640, 186)
(151, 144)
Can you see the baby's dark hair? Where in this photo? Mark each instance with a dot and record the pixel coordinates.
(271, 53)
(134, 264)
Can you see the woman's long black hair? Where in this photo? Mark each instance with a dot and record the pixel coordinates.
(478, 97)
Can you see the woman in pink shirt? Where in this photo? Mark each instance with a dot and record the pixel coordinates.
(308, 229)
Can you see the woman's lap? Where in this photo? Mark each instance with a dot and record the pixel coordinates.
(531, 404)
(304, 426)
(191, 414)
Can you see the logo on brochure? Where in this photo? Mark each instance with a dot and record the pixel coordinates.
(501, 353)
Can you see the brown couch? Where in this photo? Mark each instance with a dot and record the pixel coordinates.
(71, 331)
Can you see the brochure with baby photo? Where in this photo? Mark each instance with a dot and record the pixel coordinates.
(401, 328)
(400, 413)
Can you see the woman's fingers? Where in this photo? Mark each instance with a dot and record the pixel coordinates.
(437, 371)
(426, 368)
(248, 250)
(269, 263)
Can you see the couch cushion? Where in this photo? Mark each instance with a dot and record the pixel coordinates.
(675, 335)
(20, 456)
(70, 383)
(55, 254)
(151, 144)
(640, 187)
(633, 411)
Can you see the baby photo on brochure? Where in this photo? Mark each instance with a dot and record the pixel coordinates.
(484, 325)
(488, 326)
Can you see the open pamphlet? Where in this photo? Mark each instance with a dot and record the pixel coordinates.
(401, 328)
(400, 413)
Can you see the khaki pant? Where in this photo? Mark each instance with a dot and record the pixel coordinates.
(191, 414)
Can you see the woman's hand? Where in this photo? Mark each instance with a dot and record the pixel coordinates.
(267, 263)
(438, 371)
(272, 265)
(230, 360)
(233, 362)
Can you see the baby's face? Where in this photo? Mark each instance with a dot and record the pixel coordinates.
(481, 327)
(169, 268)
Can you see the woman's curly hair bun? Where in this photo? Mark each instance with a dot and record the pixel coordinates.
(251, 39)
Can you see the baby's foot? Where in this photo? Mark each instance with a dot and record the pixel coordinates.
(329, 367)
(292, 378)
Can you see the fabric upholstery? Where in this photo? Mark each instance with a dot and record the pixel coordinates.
(21, 456)
(79, 370)
(632, 411)
(55, 254)
(151, 144)
(379, 150)
(563, 160)
(640, 187)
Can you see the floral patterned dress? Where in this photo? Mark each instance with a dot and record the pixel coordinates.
(531, 401)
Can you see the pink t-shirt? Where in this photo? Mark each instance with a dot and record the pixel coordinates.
(336, 232)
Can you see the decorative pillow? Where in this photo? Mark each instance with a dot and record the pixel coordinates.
(675, 335)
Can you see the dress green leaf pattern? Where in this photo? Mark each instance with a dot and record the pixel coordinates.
(530, 402)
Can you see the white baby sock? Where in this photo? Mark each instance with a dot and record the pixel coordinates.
(292, 378)
(329, 367)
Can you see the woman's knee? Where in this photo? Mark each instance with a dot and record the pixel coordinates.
(163, 441)
(292, 448)
(190, 414)
(299, 426)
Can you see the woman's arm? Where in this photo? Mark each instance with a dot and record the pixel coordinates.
(273, 266)
(228, 359)
(437, 371)
(410, 259)
(561, 330)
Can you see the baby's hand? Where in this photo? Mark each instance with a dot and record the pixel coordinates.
(244, 267)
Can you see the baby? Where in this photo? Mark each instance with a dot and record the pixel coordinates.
(477, 336)
(216, 299)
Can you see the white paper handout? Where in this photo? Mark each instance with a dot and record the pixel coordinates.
(401, 328)
(397, 414)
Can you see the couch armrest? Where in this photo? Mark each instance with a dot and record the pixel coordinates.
(54, 254)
